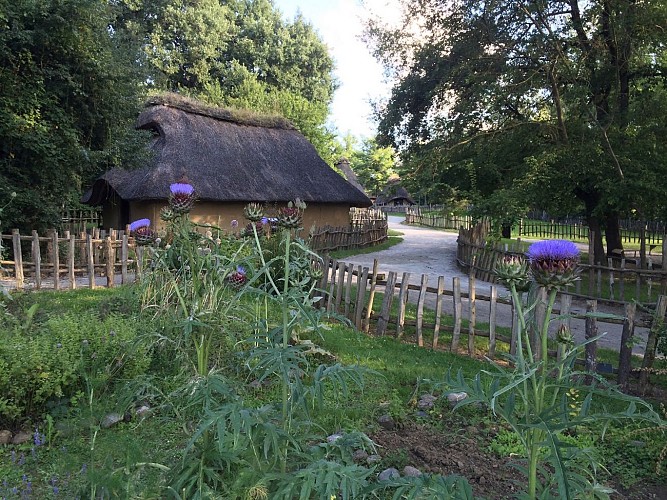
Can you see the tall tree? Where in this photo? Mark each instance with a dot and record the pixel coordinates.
(68, 95)
(559, 87)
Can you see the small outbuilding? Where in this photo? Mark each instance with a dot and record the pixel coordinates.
(231, 158)
(394, 195)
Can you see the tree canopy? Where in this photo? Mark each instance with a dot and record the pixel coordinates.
(74, 73)
(551, 104)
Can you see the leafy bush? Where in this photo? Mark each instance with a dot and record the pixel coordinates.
(48, 362)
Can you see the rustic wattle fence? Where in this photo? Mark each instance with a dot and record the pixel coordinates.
(360, 234)
(451, 318)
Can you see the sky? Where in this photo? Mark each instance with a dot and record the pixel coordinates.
(360, 77)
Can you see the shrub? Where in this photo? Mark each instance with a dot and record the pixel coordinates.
(51, 361)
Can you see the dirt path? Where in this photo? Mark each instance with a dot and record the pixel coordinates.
(433, 252)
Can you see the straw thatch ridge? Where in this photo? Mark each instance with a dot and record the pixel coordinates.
(225, 160)
(240, 116)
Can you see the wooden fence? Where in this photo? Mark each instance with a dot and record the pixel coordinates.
(78, 220)
(619, 280)
(351, 291)
(443, 221)
(358, 235)
(70, 260)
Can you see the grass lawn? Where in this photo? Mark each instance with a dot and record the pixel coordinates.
(75, 455)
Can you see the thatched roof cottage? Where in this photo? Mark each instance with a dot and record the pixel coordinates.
(231, 158)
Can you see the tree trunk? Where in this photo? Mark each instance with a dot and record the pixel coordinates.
(599, 255)
(613, 235)
(506, 231)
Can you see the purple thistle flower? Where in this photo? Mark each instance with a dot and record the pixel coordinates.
(554, 262)
(181, 188)
(21, 459)
(137, 224)
(265, 220)
(38, 438)
(235, 223)
(240, 269)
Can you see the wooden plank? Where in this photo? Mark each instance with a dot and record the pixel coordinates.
(362, 281)
(371, 296)
(621, 287)
(332, 286)
(91, 262)
(472, 309)
(383, 319)
(55, 258)
(348, 290)
(591, 349)
(110, 256)
(402, 301)
(124, 257)
(37, 259)
(438, 310)
(420, 310)
(342, 269)
(625, 354)
(18, 259)
(70, 262)
(458, 312)
(326, 261)
(610, 264)
(492, 321)
(657, 324)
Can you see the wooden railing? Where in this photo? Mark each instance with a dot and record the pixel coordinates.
(351, 291)
(442, 221)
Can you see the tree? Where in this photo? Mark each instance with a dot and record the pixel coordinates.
(374, 165)
(69, 93)
(560, 87)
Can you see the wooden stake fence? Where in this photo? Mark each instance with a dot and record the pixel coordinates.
(351, 292)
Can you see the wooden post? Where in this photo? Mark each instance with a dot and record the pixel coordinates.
(56, 260)
(348, 289)
(37, 259)
(371, 296)
(402, 301)
(383, 319)
(18, 258)
(124, 257)
(362, 280)
(612, 282)
(591, 261)
(591, 332)
(420, 310)
(342, 269)
(492, 321)
(110, 255)
(473, 314)
(625, 355)
(621, 288)
(70, 262)
(657, 323)
(438, 310)
(458, 312)
(90, 261)
(332, 286)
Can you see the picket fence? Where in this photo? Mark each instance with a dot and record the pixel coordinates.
(442, 221)
(350, 291)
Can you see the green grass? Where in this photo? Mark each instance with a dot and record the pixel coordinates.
(397, 374)
(391, 241)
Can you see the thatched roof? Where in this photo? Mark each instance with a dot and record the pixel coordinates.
(344, 166)
(227, 156)
(395, 193)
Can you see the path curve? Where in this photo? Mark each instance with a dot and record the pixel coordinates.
(433, 252)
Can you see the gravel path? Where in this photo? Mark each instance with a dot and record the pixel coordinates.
(433, 252)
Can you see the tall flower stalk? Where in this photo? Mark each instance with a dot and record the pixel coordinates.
(533, 395)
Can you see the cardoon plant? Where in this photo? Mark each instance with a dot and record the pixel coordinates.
(534, 394)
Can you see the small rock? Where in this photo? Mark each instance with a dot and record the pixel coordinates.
(426, 401)
(5, 437)
(386, 422)
(455, 397)
(373, 459)
(421, 414)
(333, 438)
(471, 429)
(481, 480)
(459, 464)
(360, 455)
(143, 411)
(111, 419)
(389, 474)
(21, 437)
(410, 471)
